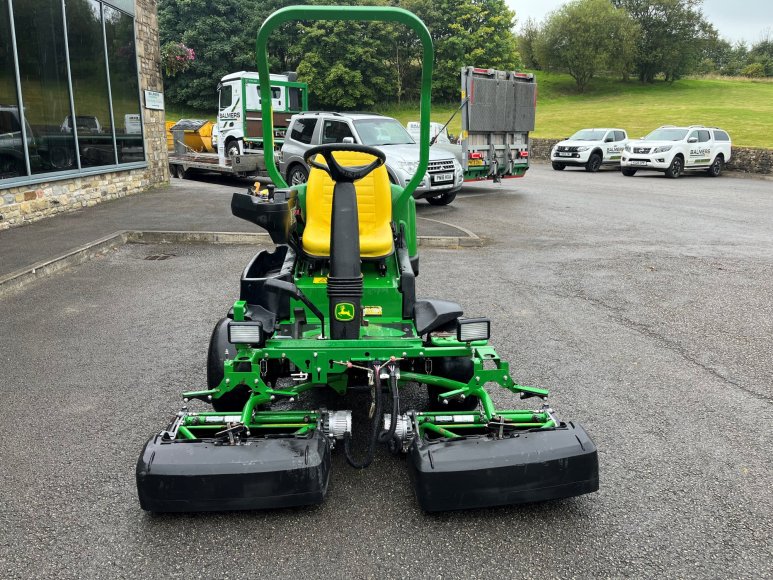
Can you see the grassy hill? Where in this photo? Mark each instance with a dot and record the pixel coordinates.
(743, 107)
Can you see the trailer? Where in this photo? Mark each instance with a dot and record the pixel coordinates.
(498, 111)
(184, 158)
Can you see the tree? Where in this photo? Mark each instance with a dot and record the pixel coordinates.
(222, 34)
(584, 38)
(527, 39)
(467, 33)
(673, 36)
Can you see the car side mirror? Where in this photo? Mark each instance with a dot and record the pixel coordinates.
(692, 140)
(349, 140)
(609, 140)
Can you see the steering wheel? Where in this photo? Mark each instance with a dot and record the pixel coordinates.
(344, 174)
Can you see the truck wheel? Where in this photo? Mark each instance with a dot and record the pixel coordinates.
(442, 199)
(628, 172)
(220, 350)
(297, 175)
(456, 368)
(715, 170)
(231, 148)
(675, 169)
(558, 166)
(594, 163)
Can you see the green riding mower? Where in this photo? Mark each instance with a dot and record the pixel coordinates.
(334, 306)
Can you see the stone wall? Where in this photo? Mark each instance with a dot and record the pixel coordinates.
(28, 203)
(744, 159)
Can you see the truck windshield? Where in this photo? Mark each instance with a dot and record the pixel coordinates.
(385, 131)
(666, 135)
(588, 135)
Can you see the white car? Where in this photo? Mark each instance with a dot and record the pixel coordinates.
(589, 148)
(674, 150)
(441, 182)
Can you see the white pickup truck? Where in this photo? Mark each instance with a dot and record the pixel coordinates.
(674, 150)
(589, 148)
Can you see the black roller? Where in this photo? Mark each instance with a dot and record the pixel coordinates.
(193, 476)
(480, 471)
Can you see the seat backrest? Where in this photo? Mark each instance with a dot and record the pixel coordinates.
(374, 207)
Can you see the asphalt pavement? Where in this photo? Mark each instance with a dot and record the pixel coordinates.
(642, 303)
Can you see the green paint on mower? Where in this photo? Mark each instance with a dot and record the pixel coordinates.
(352, 323)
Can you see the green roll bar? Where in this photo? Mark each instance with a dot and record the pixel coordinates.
(370, 13)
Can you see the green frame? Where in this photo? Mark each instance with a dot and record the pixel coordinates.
(366, 13)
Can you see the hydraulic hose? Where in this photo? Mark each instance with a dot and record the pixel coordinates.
(376, 434)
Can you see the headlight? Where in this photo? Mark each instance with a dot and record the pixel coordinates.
(581, 149)
(409, 167)
(662, 149)
(470, 329)
(628, 149)
(246, 333)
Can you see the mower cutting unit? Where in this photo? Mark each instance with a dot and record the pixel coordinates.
(334, 306)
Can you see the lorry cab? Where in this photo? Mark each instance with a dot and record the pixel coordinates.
(238, 120)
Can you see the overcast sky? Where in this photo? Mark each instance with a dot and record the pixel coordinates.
(734, 19)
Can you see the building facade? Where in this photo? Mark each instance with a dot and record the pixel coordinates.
(76, 124)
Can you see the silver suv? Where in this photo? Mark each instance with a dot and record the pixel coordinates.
(444, 175)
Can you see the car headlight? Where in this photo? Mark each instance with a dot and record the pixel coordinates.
(409, 167)
(581, 149)
(662, 149)
(627, 148)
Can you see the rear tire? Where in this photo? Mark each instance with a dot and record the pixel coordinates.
(715, 170)
(594, 163)
(442, 199)
(297, 175)
(558, 166)
(675, 169)
(628, 172)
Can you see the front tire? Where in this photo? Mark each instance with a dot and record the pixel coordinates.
(232, 148)
(297, 175)
(675, 169)
(594, 163)
(220, 350)
(558, 166)
(715, 170)
(442, 199)
(628, 172)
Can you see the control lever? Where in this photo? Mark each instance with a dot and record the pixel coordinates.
(292, 290)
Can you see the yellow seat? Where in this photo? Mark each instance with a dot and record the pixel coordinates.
(374, 208)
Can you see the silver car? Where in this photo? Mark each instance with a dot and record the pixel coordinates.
(444, 175)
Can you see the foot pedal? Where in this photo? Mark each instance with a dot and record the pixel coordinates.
(198, 475)
(481, 471)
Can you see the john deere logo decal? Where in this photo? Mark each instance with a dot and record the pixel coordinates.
(344, 311)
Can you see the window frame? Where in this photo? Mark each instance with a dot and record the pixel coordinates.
(124, 6)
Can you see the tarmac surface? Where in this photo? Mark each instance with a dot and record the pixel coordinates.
(642, 303)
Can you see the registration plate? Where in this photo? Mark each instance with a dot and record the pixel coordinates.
(474, 162)
(638, 162)
(564, 154)
(441, 177)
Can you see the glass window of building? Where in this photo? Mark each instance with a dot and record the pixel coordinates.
(12, 163)
(68, 73)
(122, 61)
(93, 121)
